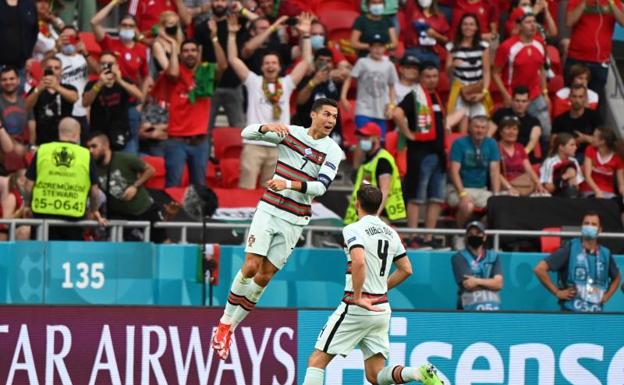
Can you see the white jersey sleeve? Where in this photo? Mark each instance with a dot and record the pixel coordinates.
(252, 132)
(352, 238)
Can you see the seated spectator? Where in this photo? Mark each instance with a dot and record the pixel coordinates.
(546, 25)
(18, 121)
(475, 160)
(603, 167)
(18, 33)
(579, 74)
(153, 130)
(121, 176)
(427, 32)
(487, 12)
(263, 38)
(372, 27)
(148, 12)
(530, 129)
(108, 99)
(517, 176)
(51, 101)
(579, 121)
(49, 27)
(580, 287)
(478, 272)
(379, 170)
(268, 99)
(408, 76)
(170, 33)
(561, 174)
(12, 189)
(469, 65)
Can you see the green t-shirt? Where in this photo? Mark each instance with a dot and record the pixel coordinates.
(124, 170)
(369, 28)
(391, 7)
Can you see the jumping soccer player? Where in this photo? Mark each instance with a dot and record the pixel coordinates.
(363, 317)
(307, 163)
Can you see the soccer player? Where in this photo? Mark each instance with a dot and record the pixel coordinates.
(363, 317)
(307, 163)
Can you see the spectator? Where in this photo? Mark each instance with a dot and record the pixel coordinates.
(121, 176)
(267, 101)
(265, 37)
(51, 101)
(268, 9)
(12, 204)
(147, 12)
(530, 129)
(427, 32)
(580, 286)
(55, 166)
(391, 8)
(408, 76)
(18, 121)
(478, 272)
(520, 60)
(6, 144)
(18, 32)
(108, 99)
(487, 13)
(379, 170)
(373, 27)
(517, 176)
(579, 74)
(474, 161)
(469, 64)
(591, 39)
(170, 33)
(153, 131)
(546, 25)
(376, 77)
(561, 174)
(603, 167)
(49, 27)
(579, 121)
(83, 9)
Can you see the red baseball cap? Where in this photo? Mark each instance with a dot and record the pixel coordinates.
(369, 129)
(518, 14)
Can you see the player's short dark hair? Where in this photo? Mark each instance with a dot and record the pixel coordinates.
(520, 90)
(319, 103)
(370, 198)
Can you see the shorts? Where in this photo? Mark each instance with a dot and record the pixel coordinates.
(343, 332)
(272, 237)
(431, 183)
(472, 109)
(479, 196)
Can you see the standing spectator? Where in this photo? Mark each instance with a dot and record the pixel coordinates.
(267, 101)
(520, 61)
(49, 27)
(427, 32)
(487, 12)
(579, 74)
(84, 9)
(108, 98)
(475, 160)
(587, 275)
(469, 64)
(592, 23)
(147, 12)
(546, 25)
(51, 101)
(121, 176)
(18, 32)
(603, 167)
(408, 76)
(478, 272)
(192, 84)
(372, 27)
(530, 129)
(561, 174)
(263, 38)
(170, 33)
(154, 124)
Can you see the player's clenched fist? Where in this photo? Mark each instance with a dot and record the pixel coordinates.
(276, 184)
(280, 129)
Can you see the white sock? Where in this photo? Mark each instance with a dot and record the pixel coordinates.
(254, 292)
(314, 376)
(397, 375)
(239, 288)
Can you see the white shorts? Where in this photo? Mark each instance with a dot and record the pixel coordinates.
(472, 109)
(479, 196)
(344, 331)
(272, 237)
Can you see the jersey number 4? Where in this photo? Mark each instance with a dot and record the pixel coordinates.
(382, 253)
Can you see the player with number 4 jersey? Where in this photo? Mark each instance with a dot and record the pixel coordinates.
(363, 317)
(307, 163)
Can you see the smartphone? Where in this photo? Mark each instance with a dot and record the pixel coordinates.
(48, 71)
(107, 67)
(292, 21)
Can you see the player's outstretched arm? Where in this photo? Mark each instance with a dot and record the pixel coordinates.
(402, 272)
(273, 133)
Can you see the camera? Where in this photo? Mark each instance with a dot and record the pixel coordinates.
(48, 71)
(291, 21)
(107, 67)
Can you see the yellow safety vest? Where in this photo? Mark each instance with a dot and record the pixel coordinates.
(395, 206)
(63, 180)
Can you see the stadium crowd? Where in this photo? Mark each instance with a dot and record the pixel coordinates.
(454, 100)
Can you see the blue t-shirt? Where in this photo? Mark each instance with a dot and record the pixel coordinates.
(475, 163)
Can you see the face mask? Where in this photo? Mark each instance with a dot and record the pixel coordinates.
(366, 145)
(425, 3)
(317, 41)
(376, 9)
(474, 241)
(171, 31)
(126, 34)
(68, 49)
(589, 232)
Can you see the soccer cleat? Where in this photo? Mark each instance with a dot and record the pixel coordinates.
(222, 340)
(429, 375)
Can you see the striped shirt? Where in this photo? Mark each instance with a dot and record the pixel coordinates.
(300, 158)
(471, 69)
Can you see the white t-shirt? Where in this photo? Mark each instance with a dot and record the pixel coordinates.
(260, 110)
(402, 90)
(75, 73)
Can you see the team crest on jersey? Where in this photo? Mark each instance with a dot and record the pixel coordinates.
(251, 240)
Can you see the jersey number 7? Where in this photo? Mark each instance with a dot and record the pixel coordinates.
(382, 253)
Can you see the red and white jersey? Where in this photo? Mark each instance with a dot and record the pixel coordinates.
(603, 170)
(521, 64)
(300, 158)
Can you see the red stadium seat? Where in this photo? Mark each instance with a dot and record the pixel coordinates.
(227, 142)
(555, 59)
(336, 19)
(230, 172)
(347, 118)
(549, 243)
(157, 181)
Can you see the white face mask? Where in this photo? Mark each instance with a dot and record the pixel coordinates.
(366, 145)
(425, 3)
(376, 9)
(126, 34)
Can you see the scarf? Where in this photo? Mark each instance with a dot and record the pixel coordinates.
(425, 130)
(204, 81)
(274, 98)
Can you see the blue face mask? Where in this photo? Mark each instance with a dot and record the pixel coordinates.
(376, 9)
(68, 49)
(317, 41)
(589, 232)
(366, 145)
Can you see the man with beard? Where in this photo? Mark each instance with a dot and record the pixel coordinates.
(18, 121)
(121, 176)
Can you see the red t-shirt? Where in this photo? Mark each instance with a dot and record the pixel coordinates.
(487, 13)
(437, 22)
(147, 12)
(186, 118)
(513, 165)
(591, 36)
(603, 170)
(521, 64)
(132, 61)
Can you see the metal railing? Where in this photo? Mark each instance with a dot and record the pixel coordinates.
(43, 227)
